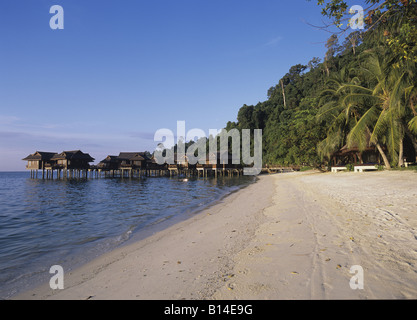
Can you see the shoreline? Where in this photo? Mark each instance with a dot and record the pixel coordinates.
(153, 235)
(287, 236)
(83, 256)
(175, 219)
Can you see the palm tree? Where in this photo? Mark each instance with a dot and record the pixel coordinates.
(384, 107)
(338, 115)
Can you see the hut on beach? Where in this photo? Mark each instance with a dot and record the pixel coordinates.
(354, 155)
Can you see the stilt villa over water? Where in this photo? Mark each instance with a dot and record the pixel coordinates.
(76, 164)
(70, 164)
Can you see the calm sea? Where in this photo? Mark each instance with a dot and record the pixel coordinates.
(69, 222)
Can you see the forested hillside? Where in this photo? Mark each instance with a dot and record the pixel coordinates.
(363, 92)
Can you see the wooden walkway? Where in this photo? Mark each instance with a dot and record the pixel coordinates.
(49, 173)
(171, 171)
(271, 170)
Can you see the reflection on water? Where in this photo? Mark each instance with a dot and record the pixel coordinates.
(67, 222)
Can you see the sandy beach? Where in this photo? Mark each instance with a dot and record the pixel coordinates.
(287, 236)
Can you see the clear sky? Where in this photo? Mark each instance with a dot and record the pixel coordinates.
(121, 70)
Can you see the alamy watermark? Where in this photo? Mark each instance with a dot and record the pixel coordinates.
(357, 281)
(197, 154)
(57, 20)
(57, 280)
(357, 21)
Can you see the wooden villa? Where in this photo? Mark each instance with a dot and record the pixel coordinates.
(110, 163)
(76, 164)
(131, 164)
(39, 161)
(72, 160)
(133, 160)
(369, 156)
(354, 156)
(362, 160)
(221, 166)
(181, 165)
(70, 163)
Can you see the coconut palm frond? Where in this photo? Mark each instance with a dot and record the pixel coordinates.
(396, 94)
(358, 98)
(354, 86)
(329, 108)
(380, 127)
(332, 143)
(412, 125)
(359, 133)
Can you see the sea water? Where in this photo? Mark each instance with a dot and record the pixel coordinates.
(69, 222)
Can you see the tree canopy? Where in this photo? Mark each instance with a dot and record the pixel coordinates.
(362, 92)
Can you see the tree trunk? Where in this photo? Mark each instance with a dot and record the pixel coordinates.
(384, 156)
(283, 94)
(353, 43)
(382, 153)
(401, 153)
(327, 69)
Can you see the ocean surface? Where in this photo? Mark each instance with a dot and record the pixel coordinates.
(69, 222)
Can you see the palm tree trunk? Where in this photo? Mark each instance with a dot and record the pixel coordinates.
(384, 156)
(401, 153)
(381, 151)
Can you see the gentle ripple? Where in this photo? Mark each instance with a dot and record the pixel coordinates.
(68, 222)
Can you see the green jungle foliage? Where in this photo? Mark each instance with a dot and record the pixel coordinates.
(362, 93)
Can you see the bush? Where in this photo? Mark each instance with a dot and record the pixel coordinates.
(350, 167)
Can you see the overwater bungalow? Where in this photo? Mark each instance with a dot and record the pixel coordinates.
(76, 160)
(72, 164)
(109, 163)
(39, 161)
(153, 165)
(133, 163)
(76, 164)
(133, 160)
(181, 164)
(224, 165)
(67, 161)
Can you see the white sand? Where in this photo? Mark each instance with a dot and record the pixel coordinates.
(288, 236)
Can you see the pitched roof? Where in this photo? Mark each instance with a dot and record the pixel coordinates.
(73, 155)
(138, 156)
(40, 156)
(109, 159)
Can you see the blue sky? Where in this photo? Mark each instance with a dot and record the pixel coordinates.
(121, 70)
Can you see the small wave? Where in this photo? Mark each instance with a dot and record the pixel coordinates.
(87, 240)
